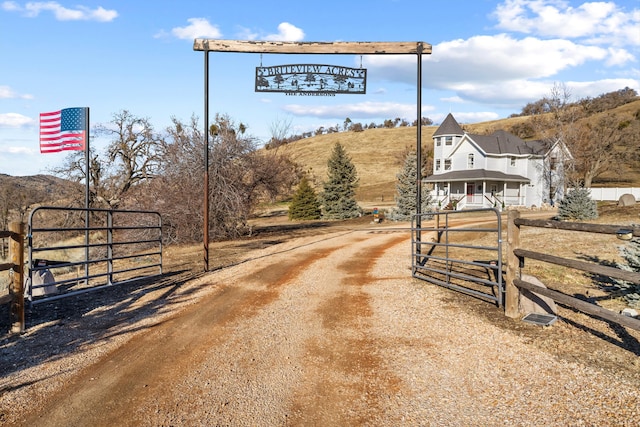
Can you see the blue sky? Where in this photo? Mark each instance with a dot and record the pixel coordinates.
(489, 59)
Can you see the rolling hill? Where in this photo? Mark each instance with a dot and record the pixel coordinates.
(378, 155)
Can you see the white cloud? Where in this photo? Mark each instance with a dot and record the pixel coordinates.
(467, 117)
(197, 28)
(506, 94)
(14, 120)
(485, 59)
(286, 32)
(581, 90)
(453, 99)
(246, 34)
(500, 70)
(516, 93)
(61, 13)
(7, 93)
(619, 57)
(598, 22)
(17, 150)
(10, 6)
(362, 110)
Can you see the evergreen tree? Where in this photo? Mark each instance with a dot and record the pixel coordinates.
(338, 198)
(578, 205)
(406, 187)
(305, 204)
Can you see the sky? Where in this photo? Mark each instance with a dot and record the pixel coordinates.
(489, 59)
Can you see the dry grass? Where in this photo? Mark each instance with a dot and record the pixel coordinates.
(378, 155)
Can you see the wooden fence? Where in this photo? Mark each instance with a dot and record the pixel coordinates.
(516, 256)
(16, 267)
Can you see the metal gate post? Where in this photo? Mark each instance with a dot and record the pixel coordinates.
(110, 247)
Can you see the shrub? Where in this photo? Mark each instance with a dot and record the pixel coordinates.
(577, 205)
(305, 204)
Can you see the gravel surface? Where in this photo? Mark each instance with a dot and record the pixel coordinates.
(327, 330)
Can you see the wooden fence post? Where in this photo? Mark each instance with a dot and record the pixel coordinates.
(16, 289)
(512, 293)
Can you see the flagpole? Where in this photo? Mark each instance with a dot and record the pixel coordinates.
(86, 194)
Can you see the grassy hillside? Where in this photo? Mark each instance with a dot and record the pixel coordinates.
(378, 155)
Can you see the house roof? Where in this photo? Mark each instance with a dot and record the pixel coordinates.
(449, 127)
(502, 142)
(475, 174)
(499, 142)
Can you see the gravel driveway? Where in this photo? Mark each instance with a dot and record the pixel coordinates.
(326, 330)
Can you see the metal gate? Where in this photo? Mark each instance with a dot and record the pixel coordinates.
(460, 250)
(117, 247)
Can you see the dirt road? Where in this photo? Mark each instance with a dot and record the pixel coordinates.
(326, 330)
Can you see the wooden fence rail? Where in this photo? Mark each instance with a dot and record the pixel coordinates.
(516, 257)
(16, 266)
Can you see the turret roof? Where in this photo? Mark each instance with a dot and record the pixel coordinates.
(449, 127)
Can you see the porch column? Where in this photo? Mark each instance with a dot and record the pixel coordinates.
(484, 193)
(504, 193)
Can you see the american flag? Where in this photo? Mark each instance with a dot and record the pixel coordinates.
(63, 130)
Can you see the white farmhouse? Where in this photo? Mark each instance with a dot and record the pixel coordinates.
(498, 170)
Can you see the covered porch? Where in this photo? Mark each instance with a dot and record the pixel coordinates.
(478, 188)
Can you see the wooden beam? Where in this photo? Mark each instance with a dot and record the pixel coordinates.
(577, 226)
(589, 267)
(16, 290)
(338, 48)
(583, 306)
(512, 293)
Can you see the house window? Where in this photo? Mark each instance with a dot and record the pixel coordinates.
(448, 140)
(470, 161)
(447, 164)
(513, 161)
(438, 164)
(438, 142)
(553, 163)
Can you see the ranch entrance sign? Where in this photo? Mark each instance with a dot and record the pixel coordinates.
(311, 79)
(327, 72)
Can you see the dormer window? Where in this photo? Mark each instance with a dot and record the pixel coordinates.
(512, 161)
(470, 160)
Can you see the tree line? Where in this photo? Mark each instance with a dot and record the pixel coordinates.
(142, 168)
(278, 139)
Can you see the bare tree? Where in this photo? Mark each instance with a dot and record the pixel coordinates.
(132, 156)
(240, 177)
(177, 190)
(130, 159)
(600, 146)
(280, 132)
